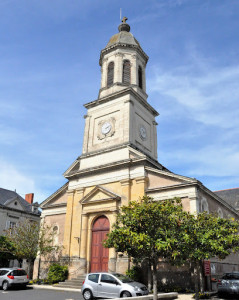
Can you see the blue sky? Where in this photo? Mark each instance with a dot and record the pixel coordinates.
(49, 67)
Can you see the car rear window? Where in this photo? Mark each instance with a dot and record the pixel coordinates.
(18, 273)
(231, 276)
(3, 272)
(93, 277)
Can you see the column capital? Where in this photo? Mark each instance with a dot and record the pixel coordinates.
(125, 182)
(141, 179)
(80, 190)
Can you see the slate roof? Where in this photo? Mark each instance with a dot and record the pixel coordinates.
(6, 196)
(231, 196)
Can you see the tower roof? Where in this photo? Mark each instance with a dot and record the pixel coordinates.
(124, 38)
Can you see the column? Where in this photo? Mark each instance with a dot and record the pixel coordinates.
(76, 223)
(84, 233)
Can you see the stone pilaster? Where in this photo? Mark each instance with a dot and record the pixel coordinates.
(76, 220)
(68, 223)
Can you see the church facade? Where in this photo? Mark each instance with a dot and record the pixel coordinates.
(118, 164)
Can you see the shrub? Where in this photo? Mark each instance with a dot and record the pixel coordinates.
(203, 295)
(135, 273)
(57, 273)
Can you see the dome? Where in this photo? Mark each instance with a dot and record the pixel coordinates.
(123, 39)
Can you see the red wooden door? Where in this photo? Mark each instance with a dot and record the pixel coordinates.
(99, 254)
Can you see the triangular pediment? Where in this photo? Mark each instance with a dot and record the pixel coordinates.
(74, 167)
(99, 193)
(162, 179)
(14, 203)
(57, 198)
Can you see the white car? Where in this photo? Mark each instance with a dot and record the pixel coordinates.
(106, 285)
(13, 277)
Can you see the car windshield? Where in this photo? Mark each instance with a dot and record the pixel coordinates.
(231, 276)
(123, 278)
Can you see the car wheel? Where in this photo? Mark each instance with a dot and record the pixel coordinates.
(125, 294)
(87, 294)
(5, 285)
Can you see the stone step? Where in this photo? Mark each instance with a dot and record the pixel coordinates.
(75, 283)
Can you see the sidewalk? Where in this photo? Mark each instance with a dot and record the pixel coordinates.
(185, 296)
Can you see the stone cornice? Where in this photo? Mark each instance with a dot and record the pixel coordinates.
(123, 46)
(116, 95)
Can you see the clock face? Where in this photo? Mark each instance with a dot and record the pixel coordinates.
(106, 127)
(142, 132)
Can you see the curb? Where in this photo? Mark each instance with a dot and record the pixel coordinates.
(50, 287)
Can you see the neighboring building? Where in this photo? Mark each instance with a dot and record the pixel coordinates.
(231, 196)
(15, 209)
(118, 164)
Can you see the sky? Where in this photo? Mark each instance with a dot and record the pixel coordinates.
(49, 68)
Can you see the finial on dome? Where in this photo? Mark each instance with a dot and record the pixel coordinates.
(124, 26)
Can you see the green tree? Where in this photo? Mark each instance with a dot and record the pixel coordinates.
(6, 251)
(30, 239)
(208, 236)
(149, 229)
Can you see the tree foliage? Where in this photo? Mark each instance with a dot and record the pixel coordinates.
(30, 239)
(208, 236)
(6, 250)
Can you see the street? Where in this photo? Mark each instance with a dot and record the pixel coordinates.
(39, 294)
(46, 294)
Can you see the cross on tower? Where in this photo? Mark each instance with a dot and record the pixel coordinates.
(124, 20)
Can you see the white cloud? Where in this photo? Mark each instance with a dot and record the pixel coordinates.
(13, 179)
(210, 94)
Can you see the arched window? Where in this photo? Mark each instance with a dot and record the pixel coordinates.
(110, 74)
(126, 71)
(140, 77)
(55, 232)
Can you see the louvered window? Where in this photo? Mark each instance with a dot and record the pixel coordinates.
(140, 77)
(110, 74)
(126, 72)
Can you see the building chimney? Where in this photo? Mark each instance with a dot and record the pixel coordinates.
(29, 198)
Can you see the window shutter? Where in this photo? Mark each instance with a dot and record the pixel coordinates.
(110, 74)
(126, 72)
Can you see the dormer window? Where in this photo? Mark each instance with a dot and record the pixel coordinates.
(110, 74)
(140, 77)
(126, 72)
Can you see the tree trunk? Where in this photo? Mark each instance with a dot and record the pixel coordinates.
(155, 289)
(39, 268)
(30, 268)
(149, 277)
(196, 279)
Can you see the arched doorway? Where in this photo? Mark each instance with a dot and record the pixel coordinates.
(99, 254)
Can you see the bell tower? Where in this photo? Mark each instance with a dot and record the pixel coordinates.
(123, 64)
(121, 118)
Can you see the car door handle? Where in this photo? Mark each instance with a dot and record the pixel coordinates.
(100, 284)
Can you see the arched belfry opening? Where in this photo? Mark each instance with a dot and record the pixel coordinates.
(140, 77)
(99, 254)
(126, 76)
(110, 74)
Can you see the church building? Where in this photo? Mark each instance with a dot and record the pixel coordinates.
(118, 164)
